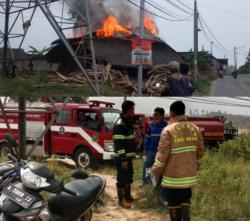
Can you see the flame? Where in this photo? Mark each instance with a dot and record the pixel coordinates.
(111, 28)
(150, 25)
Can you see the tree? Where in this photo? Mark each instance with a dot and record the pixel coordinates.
(245, 69)
(204, 60)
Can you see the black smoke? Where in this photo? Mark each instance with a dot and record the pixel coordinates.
(127, 14)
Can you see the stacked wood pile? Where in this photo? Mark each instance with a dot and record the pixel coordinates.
(153, 85)
(156, 81)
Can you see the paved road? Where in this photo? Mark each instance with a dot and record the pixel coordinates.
(228, 86)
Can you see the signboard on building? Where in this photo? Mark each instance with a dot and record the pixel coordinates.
(141, 51)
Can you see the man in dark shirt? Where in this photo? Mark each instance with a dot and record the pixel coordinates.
(124, 148)
(177, 83)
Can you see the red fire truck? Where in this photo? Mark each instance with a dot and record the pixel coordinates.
(81, 131)
(84, 131)
(213, 130)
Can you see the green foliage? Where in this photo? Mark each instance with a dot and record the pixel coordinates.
(223, 193)
(204, 60)
(204, 84)
(237, 148)
(245, 69)
(38, 85)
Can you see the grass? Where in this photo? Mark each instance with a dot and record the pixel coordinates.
(204, 84)
(222, 193)
(37, 85)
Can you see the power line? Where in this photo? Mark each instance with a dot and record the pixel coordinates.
(177, 6)
(226, 12)
(204, 22)
(152, 13)
(218, 102)
(162, 9)
(184, 5)
(158, 8)
(209, 39)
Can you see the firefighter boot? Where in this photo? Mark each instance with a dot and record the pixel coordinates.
(185, 212)
(127, 193)
(121, 199)
(175, 213)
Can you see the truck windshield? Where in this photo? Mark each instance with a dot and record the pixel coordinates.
(109, 117)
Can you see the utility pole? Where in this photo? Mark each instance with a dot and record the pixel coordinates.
(22, 127)
(140, 67)
(97, 86)
(5, 37)
(235, 58)
(211, 50)
(195, 74)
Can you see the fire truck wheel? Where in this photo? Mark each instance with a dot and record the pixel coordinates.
(84, 158)
(87, 216)
(4, 151)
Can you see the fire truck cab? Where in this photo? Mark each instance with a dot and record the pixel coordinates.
(81, 131)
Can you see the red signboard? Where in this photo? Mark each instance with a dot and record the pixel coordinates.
(141, 51)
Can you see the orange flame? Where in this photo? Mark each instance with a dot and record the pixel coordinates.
(111, 28)
(150, 25)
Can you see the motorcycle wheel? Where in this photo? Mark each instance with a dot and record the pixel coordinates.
(87, 216)
(4, 151)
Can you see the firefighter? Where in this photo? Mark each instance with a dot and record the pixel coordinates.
(151, 141)
(124, 147)
(177, 162)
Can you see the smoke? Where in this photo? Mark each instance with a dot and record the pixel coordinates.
(127, 14)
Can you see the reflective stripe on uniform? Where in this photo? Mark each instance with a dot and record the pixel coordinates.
(123, 137)
(120, 152)
(130, 154)
(159, 163)
(183, 149)
(179, 182)
(127, 154)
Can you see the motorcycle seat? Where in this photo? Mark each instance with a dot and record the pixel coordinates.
(4, 168)
(67, 205)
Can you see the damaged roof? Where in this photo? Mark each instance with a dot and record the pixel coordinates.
(116, 51)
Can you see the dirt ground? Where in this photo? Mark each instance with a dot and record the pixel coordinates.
(111, 211)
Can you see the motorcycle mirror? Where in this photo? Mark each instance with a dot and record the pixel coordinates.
(78, 174)
(12, 157)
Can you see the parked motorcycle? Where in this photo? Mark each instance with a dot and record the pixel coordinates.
(10, 171)
(71, 202)
(8, 146)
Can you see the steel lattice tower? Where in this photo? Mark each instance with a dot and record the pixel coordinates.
(16, 8)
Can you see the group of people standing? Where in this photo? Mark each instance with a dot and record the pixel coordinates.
(172, 150)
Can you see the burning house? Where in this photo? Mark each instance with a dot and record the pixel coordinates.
(113, 28)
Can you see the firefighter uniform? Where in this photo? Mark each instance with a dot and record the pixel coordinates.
(180, 148)
(124, 147)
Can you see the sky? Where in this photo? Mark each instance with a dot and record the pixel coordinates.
(194, 105)
(228, 20)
